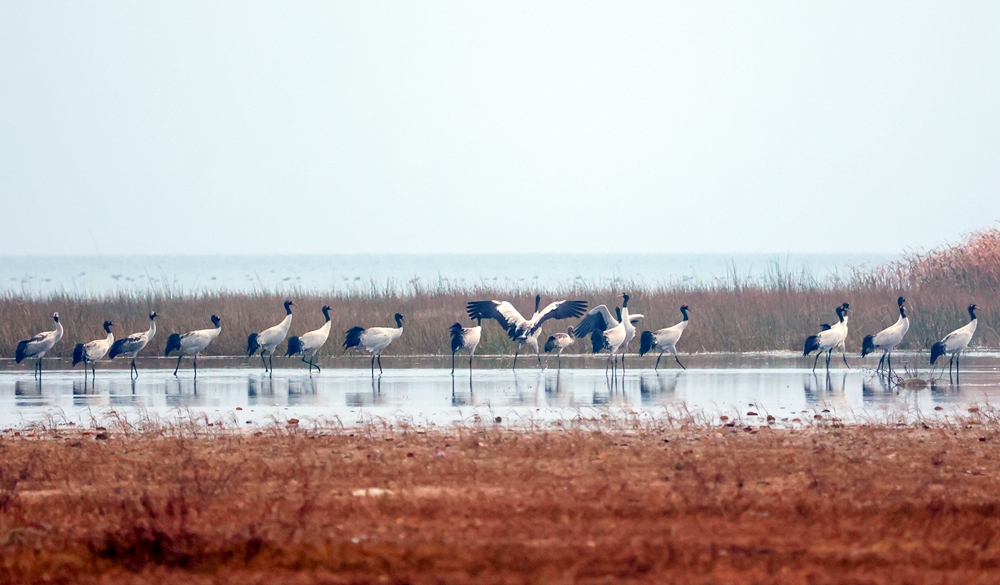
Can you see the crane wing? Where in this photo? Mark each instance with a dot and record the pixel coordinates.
(504, 313)
(559, 310)
(598, 319)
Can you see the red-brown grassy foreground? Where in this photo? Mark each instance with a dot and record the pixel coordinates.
(733, 316)
(650, 502)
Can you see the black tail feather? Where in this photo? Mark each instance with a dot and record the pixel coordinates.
(19, 353)
(550, 343)
(937, 350)
(646, 342)
(78, 354)
(812, 344)
(456, 337)
(868, 345)
(252, 344)
(173, 343)
(116, 348)
(294, 346)
(353, 337)
(597, 340)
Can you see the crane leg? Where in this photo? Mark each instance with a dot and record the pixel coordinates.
(843, 355)
(829, 354)
(888, 360)
(657, 366)
(93, 369)
(958, 366)
(373, 365)
(514, 367)
(470, 364)
(271, 360)
(881, 362)
(950, 362)
(195, 362)
(263, 361)
(815, 361)
(311, 364)
(178, 364)
(133, 369)
(452, 362)
(679, 361)
(537, 355)
(379, 363)
(623, 362)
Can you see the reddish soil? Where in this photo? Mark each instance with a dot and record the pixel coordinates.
(491, 505)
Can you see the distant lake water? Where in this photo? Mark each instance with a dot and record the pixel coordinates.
(95, 275)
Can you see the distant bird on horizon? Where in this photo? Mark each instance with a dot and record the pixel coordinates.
(310, 343)
(829, 338)
(665, 339)
(465, 339)
(524, 331)
(269, 339)
(192, 343)
(94, 351)
(134, 343)
(374, 340)
(37, 346)
(560, 341)
(888, 338)
(955, 342)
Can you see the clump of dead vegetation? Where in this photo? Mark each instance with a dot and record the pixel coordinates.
(682, 500)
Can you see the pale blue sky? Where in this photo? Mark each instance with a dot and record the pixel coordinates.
(212, 127)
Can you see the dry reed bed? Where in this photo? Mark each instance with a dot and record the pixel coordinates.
(737, 316)
(649, 502)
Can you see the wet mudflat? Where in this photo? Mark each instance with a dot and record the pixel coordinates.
(423, 392)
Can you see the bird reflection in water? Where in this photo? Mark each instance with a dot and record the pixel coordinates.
(461, 397)
(658, 388)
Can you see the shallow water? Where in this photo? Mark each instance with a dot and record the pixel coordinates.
(779, 385)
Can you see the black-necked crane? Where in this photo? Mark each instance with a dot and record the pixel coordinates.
(665, 339)
(525, 331)
(465, 339)
(374, 340)
(269, 339)
(134, 343)
(310, 343)
(94, 351)
(888, 338)
(559, 342)
(955, 342)
(605, 331)
(842, 346)
(828, 339)
(192, 343)
(37, 346)
(630, 324)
